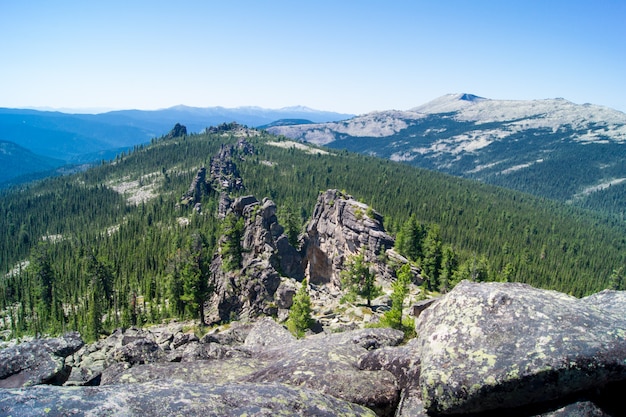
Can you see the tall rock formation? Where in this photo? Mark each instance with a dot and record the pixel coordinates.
(248, 290)
(339, 228)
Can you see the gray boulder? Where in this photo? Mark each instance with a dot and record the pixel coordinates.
(267, 333)
(137, 351)
(170, 399)
(492, 345)
(234, 335)
(40, 361)
(328, 364)
(202, 372)
(610, 301)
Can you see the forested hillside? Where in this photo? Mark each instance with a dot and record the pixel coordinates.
(116, 242)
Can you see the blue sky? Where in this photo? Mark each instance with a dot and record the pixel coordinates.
(347, 56)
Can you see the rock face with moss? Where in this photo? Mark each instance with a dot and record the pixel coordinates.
(488, 346)
(340, 226)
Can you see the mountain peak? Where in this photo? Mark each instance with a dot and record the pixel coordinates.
(470, 97)
(449, 103)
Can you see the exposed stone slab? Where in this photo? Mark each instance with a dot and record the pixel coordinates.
(171, 399)
(486, 345)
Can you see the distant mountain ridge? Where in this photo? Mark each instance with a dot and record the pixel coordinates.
(82, 138)
(553, 147)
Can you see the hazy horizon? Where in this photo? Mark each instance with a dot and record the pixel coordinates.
(347, 57)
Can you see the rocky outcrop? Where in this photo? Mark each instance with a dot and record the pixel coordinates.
(223, 176)
(177, 131)
(172, 399)
(270, 354)
(40, 361)
(199, 188)
(328, 364)
(489, 346)
(224, 173)
(266, 255)
(340, 227)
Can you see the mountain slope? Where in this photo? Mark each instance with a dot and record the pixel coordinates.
(17, 161)
(551, 148)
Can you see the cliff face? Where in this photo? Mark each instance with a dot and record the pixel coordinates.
(339, 228)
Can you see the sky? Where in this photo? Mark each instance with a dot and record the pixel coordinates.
(342, 55)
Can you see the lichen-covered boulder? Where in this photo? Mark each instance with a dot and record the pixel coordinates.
(403, 362)
(234, 335)
(267, 333)
(172, 399)
(328, 364)
(141, 350)
(40, 361)
(221, 371)
(608, 300)
(486, 346)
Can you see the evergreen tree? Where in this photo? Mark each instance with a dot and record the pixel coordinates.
(410, 238)
(358, 278)
(43, 277)
(431, 263)
(507, 273)
(188, 278)
(300, 312)
(400, 289)
(292, 222)
(231, 246)
(449, 264)
(616, 280)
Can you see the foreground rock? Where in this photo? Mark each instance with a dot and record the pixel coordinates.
(487, 349)
(41, 361)
(489, 346)
(171, 399)
(270, 354)
(328, 364)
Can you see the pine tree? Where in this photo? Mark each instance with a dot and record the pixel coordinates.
(616, 280)
(431, 263)
(410, 238)
(190, 282)
(231, 246)
(400, 289)
(358, 278)
(43, 278)
(300, 312)
(449, 264)
(291, 220)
